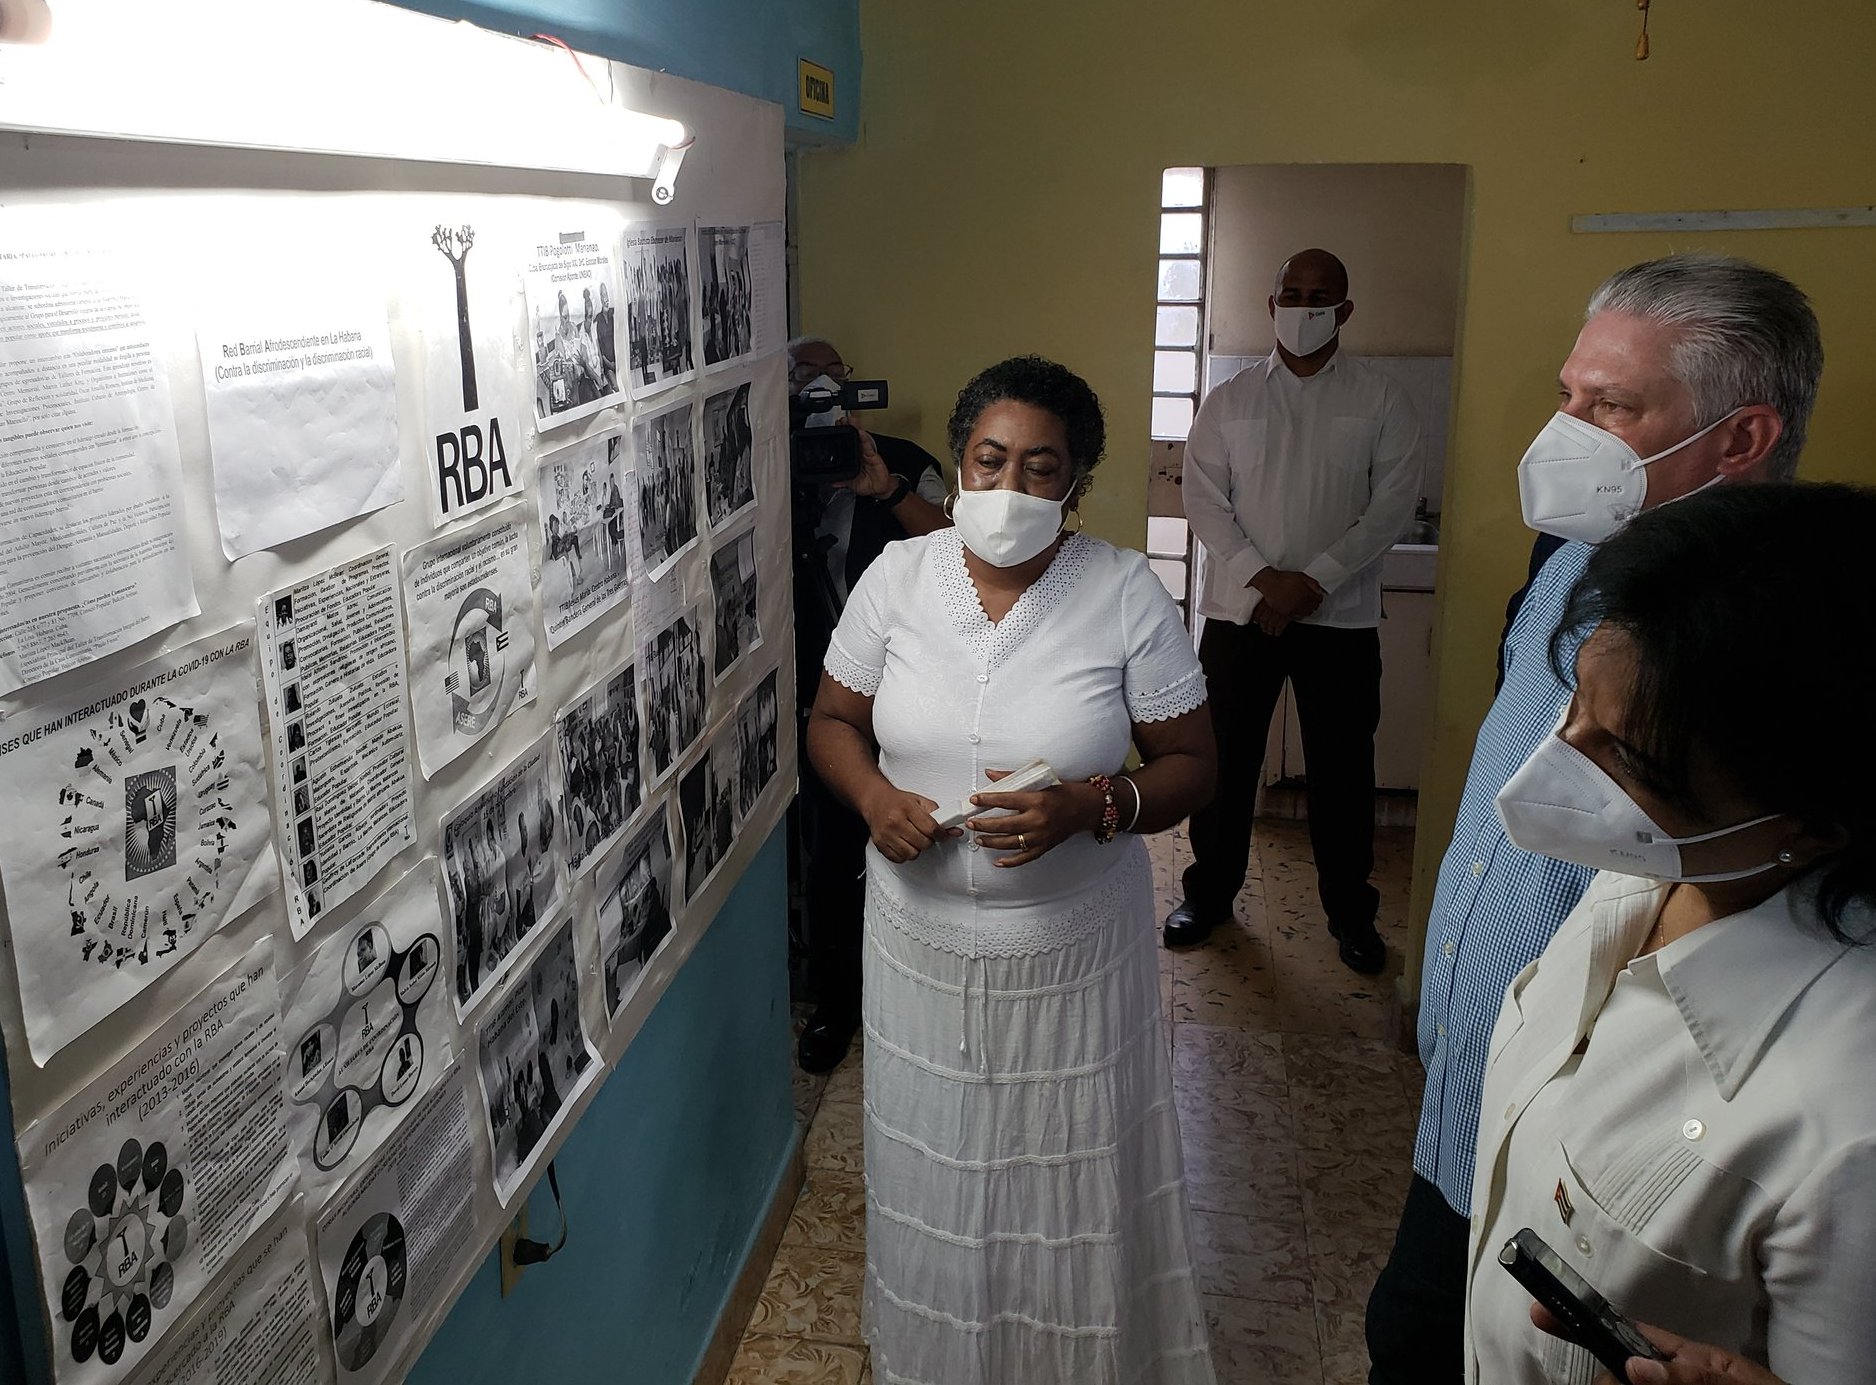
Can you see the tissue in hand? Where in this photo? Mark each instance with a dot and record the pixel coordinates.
(1034, 775)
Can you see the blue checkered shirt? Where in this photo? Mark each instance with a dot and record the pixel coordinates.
(1496, 907)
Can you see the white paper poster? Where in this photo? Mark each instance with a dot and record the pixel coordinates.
(707, 795)
(534, 1061)
(601, 773)
(144, 1185)
(332, 662)
(728, 293)
(768, 270)
(671, 661)
(471, 365)
(501, 869)
(469, 602)
(729, 455)
(659, 345)
(632, 896)
(585, 562)
(368, 1030)
(91, 551)
(257, 1324)
(573, 289)
(141, 826)
(302, 411)
(733, 587)
(664, 457)
(390, 1248)
(755, 746)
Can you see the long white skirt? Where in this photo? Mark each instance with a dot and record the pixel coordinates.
(1026, 1204)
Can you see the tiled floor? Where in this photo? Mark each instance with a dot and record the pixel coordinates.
(1297, 1117)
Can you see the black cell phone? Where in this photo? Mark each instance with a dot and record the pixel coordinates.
(1587, 1318)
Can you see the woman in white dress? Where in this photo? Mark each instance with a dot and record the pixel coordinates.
(1026, 1205)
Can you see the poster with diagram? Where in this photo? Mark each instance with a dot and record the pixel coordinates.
(141, 827)
(368, 1028)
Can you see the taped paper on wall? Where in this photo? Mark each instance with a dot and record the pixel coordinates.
(755, 746)
(469, 602)
(573, 283)
(602, 782)
(501, 870)
(768, 270)
(302, 412)
(728, 293)
(368, 1030)
(729, 455)
(91, 551)
(585, 564)
(733, 584)
(258, 1322)
(707, 795)
(534, 1061)
(143, 827)
(145, 1184)
(664, 455)
(472, 365)
(676, 696)
(632, 896)
(332, 663)
(658, 337)
(389, 1249)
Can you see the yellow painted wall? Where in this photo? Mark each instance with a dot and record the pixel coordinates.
(1002, 198)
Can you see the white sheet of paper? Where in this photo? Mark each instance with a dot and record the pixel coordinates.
(660, 346)
(733, 589)
(534, 1061)
(368, 1031)
(302, 412)
(729, 453)
(91, 551)
(147, 1182)
(664, 461)
(141, 827)
(332, 662)
(768, 270)
(602, 765)
(469, 606)
(677, 691)
(463, 303)
(726, 292)
(573, 302)
(706, 805)
(257, 1324)
(390, 1247)
(585, 556)
(635, 901)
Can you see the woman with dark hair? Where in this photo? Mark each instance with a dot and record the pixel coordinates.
(1026, 1208)
(1678, 1098)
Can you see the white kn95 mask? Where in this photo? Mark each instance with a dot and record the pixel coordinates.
(1582, 482)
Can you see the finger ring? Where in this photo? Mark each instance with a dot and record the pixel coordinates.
(1022, 842)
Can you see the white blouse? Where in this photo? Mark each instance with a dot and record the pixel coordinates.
(1708, 1161)
(1092, 647)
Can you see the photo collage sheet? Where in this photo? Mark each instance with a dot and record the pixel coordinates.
(364, 881)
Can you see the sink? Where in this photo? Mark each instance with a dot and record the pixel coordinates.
(1409, 567)
(1422, 532)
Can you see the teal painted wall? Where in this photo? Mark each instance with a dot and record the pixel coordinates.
(666, 1179)
(750, 46)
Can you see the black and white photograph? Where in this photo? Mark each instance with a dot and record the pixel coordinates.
(733, 583)
(572, 288)
(632, 895)
(729, 455)
(667, 491)
(534, 1060)
(660, 350)
(602, 782)
(501, 873)
(706, 801)
(755, 746)
(723, 268)
(585, 565)
(676, 699)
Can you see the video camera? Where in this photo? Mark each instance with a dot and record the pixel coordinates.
(821, 448)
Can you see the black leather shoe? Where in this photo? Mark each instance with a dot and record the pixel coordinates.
(1361, 949)
(825, 1041)
(1184, 928)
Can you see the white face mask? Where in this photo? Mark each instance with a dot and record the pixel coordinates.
(1578, 481)
(1006, 527)
(1305, 331)
(1561, 804)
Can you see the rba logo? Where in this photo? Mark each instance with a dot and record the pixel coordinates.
(468, 460)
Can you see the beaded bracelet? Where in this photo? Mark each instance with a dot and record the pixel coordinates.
(1110, 814)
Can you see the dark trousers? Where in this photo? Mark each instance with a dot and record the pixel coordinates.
(1417, 1312)
(833, 842)
(1337, 678)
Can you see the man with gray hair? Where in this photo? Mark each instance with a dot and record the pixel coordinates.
(1690, 371)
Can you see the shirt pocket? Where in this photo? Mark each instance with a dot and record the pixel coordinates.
(1245, 440)
(1351, 444)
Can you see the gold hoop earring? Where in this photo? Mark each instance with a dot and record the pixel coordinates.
(1076, 516)
(950, 504)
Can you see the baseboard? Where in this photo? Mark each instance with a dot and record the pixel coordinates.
(741, 1304)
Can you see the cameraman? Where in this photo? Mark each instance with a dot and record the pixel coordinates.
(898, 494)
